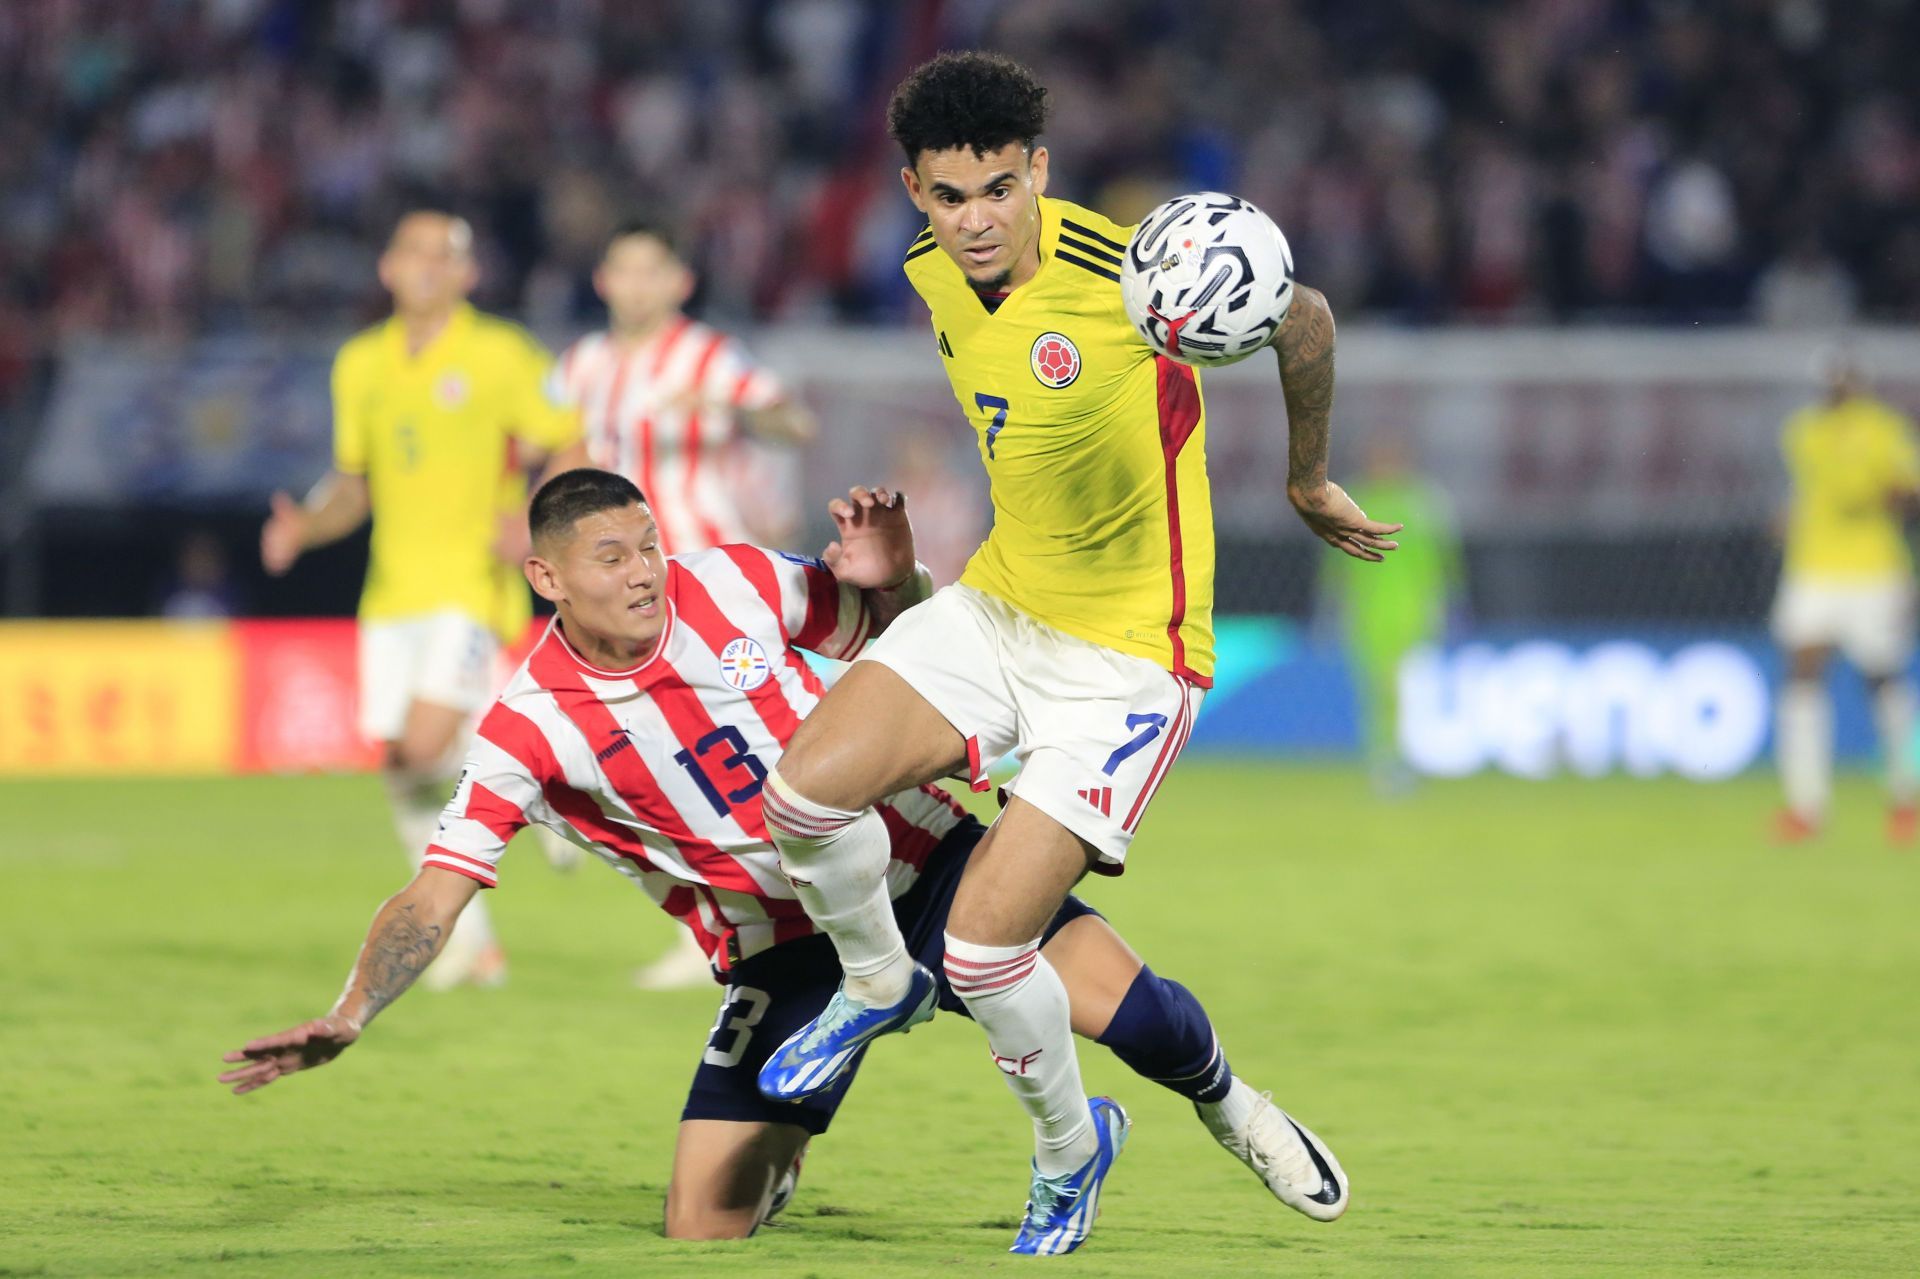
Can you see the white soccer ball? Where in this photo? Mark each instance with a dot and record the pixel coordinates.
(1207, 278)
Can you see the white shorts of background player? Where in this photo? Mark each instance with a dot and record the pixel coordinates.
(1870, 620)
(446, 658)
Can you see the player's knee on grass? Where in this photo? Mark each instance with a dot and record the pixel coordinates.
(707, 1221)
(724, 1174)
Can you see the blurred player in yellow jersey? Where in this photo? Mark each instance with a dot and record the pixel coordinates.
(1079, 641)
(436, 413)
(1847, 584)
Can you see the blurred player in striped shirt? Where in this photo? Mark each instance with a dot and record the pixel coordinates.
(667, 401)
(642, 727)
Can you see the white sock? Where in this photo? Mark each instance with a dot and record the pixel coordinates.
(1805, 748)
(1893, 713)
(1019, 1000)
(1233, 1110)
(417, 806)
(838, 864)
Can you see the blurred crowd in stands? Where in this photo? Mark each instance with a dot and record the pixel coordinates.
(177, 166)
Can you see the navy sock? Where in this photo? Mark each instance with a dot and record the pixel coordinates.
(1162, 1033)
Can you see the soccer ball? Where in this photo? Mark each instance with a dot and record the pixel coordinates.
(1208, 278)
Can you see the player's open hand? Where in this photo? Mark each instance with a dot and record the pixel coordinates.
(280, 537)
(310, 1044)
(1339, 522)
(875, 550)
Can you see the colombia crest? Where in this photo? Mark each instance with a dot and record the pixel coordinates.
(1055, 360)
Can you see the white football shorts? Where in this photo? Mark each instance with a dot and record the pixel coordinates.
(1095, 731)
(1870, 620)
(445, 658)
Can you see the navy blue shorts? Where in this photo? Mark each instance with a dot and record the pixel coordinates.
(779, 990)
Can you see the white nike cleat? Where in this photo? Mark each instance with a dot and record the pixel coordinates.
(1295, 1165)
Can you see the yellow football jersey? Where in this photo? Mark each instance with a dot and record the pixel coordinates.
(1095, 448)
(436, 436)
(1846, 461)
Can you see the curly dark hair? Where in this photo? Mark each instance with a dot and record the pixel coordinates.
(971, 99)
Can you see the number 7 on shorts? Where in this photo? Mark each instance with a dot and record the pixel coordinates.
(1150, 726)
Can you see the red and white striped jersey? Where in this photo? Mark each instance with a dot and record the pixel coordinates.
(665, 415)
(658, 769)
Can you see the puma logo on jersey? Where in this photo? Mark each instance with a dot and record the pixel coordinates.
(622, 740)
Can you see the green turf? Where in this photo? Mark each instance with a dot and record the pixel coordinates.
(1552, 1029)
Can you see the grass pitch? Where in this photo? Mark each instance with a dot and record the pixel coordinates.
(1557, 1029)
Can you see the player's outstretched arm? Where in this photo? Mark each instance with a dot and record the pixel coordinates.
(784, 421)
(1304, 346)
(406, 934)
(875, 552)
(338, 504)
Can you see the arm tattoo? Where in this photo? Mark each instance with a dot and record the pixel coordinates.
(398, 952)
(1306, 380)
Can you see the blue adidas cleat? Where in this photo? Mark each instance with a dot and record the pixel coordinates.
(820, 1051)
(1060, 1210)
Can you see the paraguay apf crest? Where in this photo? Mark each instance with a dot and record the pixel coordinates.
(744, 665)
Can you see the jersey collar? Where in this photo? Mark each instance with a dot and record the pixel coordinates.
(642, 674)
(1049, 239)
(457, 327)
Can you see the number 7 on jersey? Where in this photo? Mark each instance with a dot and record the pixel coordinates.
(998, 407)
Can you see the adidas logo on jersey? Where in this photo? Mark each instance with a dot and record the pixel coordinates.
(1101, 797)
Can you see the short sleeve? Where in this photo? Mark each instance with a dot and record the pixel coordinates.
(543, 414)
(349, 415)
(818, 611)
(734, 379)
(498, 795)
